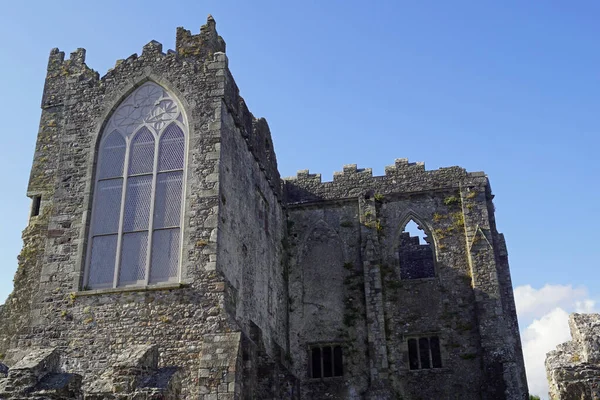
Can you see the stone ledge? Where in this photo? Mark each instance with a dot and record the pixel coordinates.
(149, 288)
(433, 371)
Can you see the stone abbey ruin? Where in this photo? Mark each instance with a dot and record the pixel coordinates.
(165, 258)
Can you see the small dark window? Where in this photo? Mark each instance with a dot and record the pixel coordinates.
(424, 353)
(326, 361)
(35, 205)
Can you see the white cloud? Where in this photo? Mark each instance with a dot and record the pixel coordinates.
(546, 311)
(534, 303)
(539, 338)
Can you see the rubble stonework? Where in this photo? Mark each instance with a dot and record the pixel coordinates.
(573, 369)
(288, 288)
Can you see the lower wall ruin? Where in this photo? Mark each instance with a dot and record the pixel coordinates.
(573, 369)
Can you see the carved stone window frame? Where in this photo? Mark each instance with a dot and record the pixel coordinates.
(155, 110)
(337, 368)
(423, 225)
(430, 361)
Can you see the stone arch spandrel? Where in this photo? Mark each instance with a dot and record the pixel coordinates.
(411, 215)
(321, 261)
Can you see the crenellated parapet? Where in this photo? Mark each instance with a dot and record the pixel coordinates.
(203, 45)
(402, 177)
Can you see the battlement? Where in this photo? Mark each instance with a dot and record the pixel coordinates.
(403, 176)
(203, 45)
(59, 66)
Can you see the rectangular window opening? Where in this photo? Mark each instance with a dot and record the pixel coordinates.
(424, 353)
(326, 361)
(36, 202)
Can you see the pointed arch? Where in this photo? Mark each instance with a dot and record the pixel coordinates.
(416, 260)
(117, 97)
(113, 156)
(412, 215)
(143, 196)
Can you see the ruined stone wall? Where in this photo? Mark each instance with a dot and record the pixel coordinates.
(41, 184)
(573, 369)
(442, 306)
(468, 304)
(327, 300)
(251, 224)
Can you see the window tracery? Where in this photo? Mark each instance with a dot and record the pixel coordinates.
(136, 218)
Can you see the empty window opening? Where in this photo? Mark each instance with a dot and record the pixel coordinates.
(415, 253)
(424, 353)
(415, 231)
(326, 361)
(36, 203)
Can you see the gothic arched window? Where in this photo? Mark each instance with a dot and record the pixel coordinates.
(416, 253)
(136, 218)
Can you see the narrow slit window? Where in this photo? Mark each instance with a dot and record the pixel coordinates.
(436, 359)
(316, 362)
(413, 354)
(424, 355)
(338, 365)
(327, 362)
(36, 203)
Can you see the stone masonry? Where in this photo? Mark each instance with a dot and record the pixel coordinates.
(573, 369)
(286, 288)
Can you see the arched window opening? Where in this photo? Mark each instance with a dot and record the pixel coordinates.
(136, 216)
(415, 253)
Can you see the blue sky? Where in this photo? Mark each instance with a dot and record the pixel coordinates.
(510, 88)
